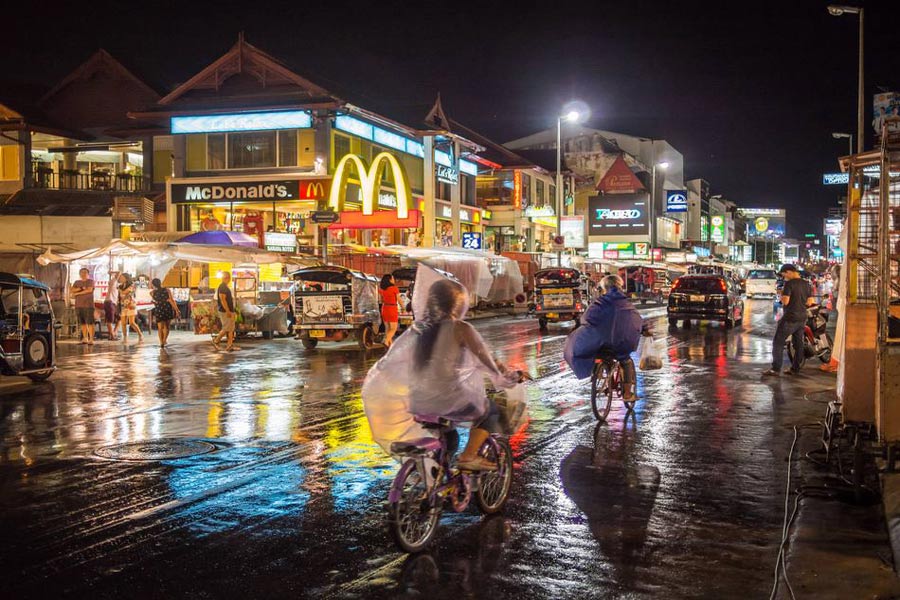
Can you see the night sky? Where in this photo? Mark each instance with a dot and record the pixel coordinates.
(749, 92)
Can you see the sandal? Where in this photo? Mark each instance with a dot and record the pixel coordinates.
(477, 464)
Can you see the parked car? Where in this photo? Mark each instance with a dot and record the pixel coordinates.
(705, 298)
(761, 282)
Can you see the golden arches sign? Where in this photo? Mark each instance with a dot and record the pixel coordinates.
(370, 183)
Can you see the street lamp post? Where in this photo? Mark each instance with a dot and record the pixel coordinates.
(571, 116)
(652, 212)
(837, 10)
(840, 136)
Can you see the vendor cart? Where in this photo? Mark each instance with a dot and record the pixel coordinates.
(333, 304)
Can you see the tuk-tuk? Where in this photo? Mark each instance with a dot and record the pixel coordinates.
(560, 294)
(405, 278)
(27, 328)
(334, 303)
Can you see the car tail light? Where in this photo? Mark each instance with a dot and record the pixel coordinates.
(539, 307)
(722, 286)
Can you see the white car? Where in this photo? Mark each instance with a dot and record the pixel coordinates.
(761, 282)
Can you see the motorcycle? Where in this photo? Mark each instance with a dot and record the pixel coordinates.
(816, 340)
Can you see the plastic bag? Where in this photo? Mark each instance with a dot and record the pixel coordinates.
(513, 409)
(651, 355)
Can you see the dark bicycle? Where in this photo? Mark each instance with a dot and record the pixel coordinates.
(427, 482)
(607, 379)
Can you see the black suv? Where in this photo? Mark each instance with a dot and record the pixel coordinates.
(705, 298)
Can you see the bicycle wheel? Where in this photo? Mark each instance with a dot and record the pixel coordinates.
(493, 486)
(412, 519)
(601, 391)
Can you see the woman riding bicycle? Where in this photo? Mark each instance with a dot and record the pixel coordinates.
(611, 324)
(436, 368)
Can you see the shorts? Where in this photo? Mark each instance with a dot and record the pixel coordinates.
(227, 322)
(129, 312)
(110, 312)
(85, 315)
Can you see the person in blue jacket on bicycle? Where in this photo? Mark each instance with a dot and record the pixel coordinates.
(610, 323)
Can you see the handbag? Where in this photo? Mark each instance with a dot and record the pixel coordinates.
(513, 409)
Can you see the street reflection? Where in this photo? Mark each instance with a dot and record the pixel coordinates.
(616, 490)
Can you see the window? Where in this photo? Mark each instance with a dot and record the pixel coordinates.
(287, 148)
(526, 191)
(251, 150)
(215, 151)
(553, 194)
(539, 193)
(341, 147)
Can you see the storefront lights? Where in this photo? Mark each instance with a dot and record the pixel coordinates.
(261, 121)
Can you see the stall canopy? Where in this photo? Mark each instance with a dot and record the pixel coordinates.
(221, 238)
(162, 252)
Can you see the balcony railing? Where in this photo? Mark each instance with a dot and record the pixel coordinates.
(98, 181)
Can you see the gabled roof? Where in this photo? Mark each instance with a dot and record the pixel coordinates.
(99, 61)
(245, 64)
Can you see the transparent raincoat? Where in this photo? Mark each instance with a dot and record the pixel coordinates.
(450, 384)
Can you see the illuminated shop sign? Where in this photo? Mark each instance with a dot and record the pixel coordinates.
(378, 135)
(182, 193)
(835, 178)
(280, 242)
(291, 119)
(465, 214)
(718, 228)
(621, 214)
(314, 189)
(676, 201)
(369, 183)
(471, 240)
(469, 168)
(445, 169)
(539, 211)
(762, 212)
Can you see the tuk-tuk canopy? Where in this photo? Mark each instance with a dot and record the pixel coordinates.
(23, 280)
(331, 274)
(557, 277)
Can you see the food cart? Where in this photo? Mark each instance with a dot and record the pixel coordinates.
(27, 328)
(560, 294)
(333, 304)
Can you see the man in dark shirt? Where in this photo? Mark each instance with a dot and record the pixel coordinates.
(227, 316)
(795, 297)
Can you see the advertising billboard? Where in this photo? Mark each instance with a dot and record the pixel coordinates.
(622, 214)
(764, 222)
(885, 105)
(718, 228)
(572, 229)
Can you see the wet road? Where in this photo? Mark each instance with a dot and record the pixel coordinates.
(682, 500)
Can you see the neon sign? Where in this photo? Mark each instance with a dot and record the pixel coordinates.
(617, 215)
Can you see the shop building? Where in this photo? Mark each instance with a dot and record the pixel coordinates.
(74, 169)
(256, 147)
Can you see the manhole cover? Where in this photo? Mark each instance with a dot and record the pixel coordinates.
(155, 450)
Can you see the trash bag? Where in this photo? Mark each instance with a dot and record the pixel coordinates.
(651, 355)
(513, 408)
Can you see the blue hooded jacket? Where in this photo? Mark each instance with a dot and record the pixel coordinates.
(610, 321)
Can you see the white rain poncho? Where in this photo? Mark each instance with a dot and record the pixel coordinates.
(450, 383)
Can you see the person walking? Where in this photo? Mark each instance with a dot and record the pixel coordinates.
(129, 307)
(795, 297)
(83, 292)
(390, 311)
(227, 316)
(164, 310)
(111, 306)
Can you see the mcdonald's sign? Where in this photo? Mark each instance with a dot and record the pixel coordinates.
(370, 183)
(313, 189)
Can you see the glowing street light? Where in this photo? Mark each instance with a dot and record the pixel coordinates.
(840, 136)
(573, 112)
(837, 10)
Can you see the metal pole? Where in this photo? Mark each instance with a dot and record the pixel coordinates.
(851, 143)
(559, 185)
(652, 211)
(860, 110)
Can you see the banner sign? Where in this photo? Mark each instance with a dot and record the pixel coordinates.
(718, 228)
(676, 201)
(280, 242)
(235, 191)
(621, 214)
(572, 229)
